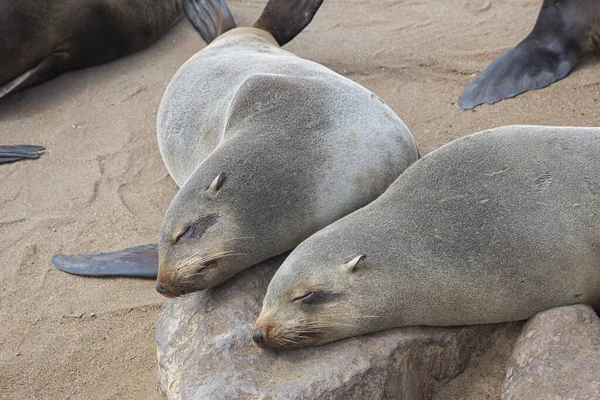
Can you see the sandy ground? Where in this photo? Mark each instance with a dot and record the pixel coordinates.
(101, 185)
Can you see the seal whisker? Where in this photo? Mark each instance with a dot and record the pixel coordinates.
(286, 340)
(352, 316)
(238, 238)
(191, 263)
(199, 258)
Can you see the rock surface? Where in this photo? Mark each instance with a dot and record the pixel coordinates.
(556, 357)
(205, 352)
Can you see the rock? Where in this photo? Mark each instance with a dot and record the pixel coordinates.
(484, 376)
(205, 352)
(557, 356)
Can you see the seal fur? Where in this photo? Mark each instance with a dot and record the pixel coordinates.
(492, 227)
(299, 145)
(42, 39)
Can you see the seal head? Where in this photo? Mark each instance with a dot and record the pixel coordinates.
(194, 239)
(306, 309)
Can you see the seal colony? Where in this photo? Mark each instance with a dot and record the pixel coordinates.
(267, 148)
(565, 31)
(492, 227)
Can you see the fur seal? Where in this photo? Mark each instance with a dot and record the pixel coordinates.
(565, 31)
(42, 39)
(492, 227)
(266, 147)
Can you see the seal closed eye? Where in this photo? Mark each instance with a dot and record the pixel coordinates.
(197, 228)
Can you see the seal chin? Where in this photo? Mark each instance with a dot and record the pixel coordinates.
(195, 274)
(175, 286)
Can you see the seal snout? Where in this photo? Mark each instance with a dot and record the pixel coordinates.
(160, 289)
(258, 337)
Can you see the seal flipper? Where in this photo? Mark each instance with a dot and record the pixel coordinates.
(16, 153)
(549, 53)
(285, 19)
(49, 68)
(210, 18)
(135, 262)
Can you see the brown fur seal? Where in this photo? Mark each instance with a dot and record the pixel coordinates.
(493, 227)
(42, 39)
(267, 148)
(565, 31)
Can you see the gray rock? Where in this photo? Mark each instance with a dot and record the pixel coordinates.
(205, 352)
(557, 356)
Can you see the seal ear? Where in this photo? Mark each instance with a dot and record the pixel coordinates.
(350, 266)
(217, 183)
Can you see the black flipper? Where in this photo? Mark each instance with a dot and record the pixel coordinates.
(285, 19)
(16, 153)
(560, 38)
(135, 262)
(47, 69)
(211, 18)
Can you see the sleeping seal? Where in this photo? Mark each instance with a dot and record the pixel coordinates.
(42, 39)
(267, 148)
(493, 227)
(565, 31)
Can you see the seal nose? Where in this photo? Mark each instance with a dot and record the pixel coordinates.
(258, 337)
(160, 289)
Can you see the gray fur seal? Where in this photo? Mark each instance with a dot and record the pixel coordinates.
(492, 227)
(267, 147)
(42, 39)
(565, 31)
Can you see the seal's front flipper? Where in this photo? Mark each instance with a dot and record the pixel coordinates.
(285, 19)
(47, 69)
(136, 262)
(211, 18)
(16, 153)
(561, 36)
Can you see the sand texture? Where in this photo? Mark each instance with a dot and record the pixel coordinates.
(101, 185)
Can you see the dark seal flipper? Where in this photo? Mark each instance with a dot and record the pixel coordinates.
(285, 19)
(135, 262)
(16, 153)
(211, 18)
(50, 67)
(563, 34)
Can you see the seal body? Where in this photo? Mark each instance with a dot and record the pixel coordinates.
(493, 227)
(268, 148)
(41, 39)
